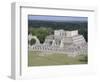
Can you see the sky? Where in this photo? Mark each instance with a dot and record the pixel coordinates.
(56, 18)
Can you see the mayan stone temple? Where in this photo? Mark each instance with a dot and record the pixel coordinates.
(66, 42)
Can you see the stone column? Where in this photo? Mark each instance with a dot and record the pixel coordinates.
(61, 44)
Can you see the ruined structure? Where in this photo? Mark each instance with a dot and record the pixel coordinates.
(67, 42)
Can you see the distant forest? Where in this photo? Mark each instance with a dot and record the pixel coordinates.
(43, 28)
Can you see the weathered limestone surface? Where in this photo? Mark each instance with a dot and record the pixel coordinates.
(67, 42)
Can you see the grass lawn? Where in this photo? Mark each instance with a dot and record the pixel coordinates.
(37, 59)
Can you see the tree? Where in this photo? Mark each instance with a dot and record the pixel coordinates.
(32, 41)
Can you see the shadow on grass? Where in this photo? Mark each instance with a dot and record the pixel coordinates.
(84, 59)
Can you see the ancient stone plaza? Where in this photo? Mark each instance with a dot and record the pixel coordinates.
(70, 43)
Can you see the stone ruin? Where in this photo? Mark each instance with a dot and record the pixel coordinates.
(66, 42)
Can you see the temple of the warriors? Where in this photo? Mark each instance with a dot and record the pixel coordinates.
(70, 43)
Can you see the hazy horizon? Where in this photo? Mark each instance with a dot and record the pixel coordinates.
(57, 18)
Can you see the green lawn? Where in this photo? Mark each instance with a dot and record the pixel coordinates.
(37, 59)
